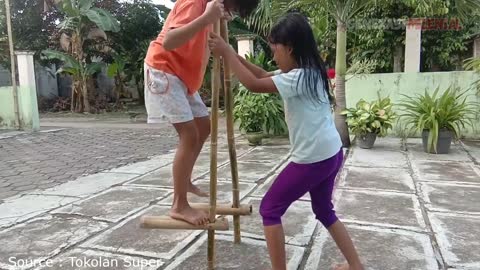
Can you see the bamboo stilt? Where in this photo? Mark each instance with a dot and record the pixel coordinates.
(168, 223)
(228, 97)
(13, 67)
(213, 153)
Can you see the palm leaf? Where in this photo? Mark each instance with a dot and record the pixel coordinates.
(103, 19)
(68, 60)
(93, 68)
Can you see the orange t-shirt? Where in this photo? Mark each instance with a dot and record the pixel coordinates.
(189, 61)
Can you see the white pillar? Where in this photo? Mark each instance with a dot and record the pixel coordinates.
(245, 45)
(26, 69)
(476, 47)
(27, 90)
(413, 45)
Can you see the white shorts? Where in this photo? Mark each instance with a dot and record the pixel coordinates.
(167, 99)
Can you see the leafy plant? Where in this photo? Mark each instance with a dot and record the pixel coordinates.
(449, 111)
(262, 61)
(116, 70)
(82, 22)
(140, 23)
(474, 64)
(259, 112)
(371, 117)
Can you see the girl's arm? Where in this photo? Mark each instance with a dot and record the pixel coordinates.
(177, 37)
(256, 70)
(255, 83)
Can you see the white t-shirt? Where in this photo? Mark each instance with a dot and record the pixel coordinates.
(311, 127)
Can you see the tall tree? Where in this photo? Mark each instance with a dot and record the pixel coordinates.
(140, 23)
(82, 22)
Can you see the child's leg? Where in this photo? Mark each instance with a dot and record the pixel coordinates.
(291, 184)
(166, 99)
(344, 243)
(203, 129)
(322, 206)
(182, 168)
(202, 123)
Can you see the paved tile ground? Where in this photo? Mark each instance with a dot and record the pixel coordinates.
(43, 160)
(404, 209)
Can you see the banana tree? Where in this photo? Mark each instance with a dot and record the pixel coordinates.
(82, 22)
(80, 71)
(116, 70)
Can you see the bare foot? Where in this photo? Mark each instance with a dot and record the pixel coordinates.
(190, 215)
(346, 266)
(195, 190)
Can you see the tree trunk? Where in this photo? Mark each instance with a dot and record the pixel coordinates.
(140, 89)
(341, 70)
(86, 102)
(118, 88)
(73, 96)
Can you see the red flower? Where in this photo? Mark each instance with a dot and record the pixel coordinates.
(331, 73)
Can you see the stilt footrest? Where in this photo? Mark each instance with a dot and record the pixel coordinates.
(168, 223)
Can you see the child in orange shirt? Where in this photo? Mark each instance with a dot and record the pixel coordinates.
(174, 69)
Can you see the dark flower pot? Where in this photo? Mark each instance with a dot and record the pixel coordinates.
(366, 141)
(254, 138)
(445, 138)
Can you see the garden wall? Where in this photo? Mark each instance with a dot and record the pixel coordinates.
(28, 110)
(394, 85)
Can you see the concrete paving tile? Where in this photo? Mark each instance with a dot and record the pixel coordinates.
(88, 185)
(146, 166)
(459, 239)
(247, 171)
(160, 178)
(248, 255)
(224, 192)
(388, 209)
(18, 209)
(298, 222)
(84, 259)
(114, 204)
(457, 153)
(388, 143)
(379, 249)
(448, 171)
(43, 238)
(393, 179)
(267, 154)
(380, 158)
(241, 147)
(127, 237)
(473, 147)
(452, 198)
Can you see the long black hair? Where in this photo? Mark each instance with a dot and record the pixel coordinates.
(293, 30)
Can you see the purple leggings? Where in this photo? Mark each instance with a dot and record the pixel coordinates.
(296, 180)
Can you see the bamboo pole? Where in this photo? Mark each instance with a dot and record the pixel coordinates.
(168, 223)
(226, 209)
(213, 154)
(16, 107)
(231, 136)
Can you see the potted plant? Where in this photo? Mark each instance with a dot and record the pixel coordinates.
(251, 115)
(438, 118)
(369, 120)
